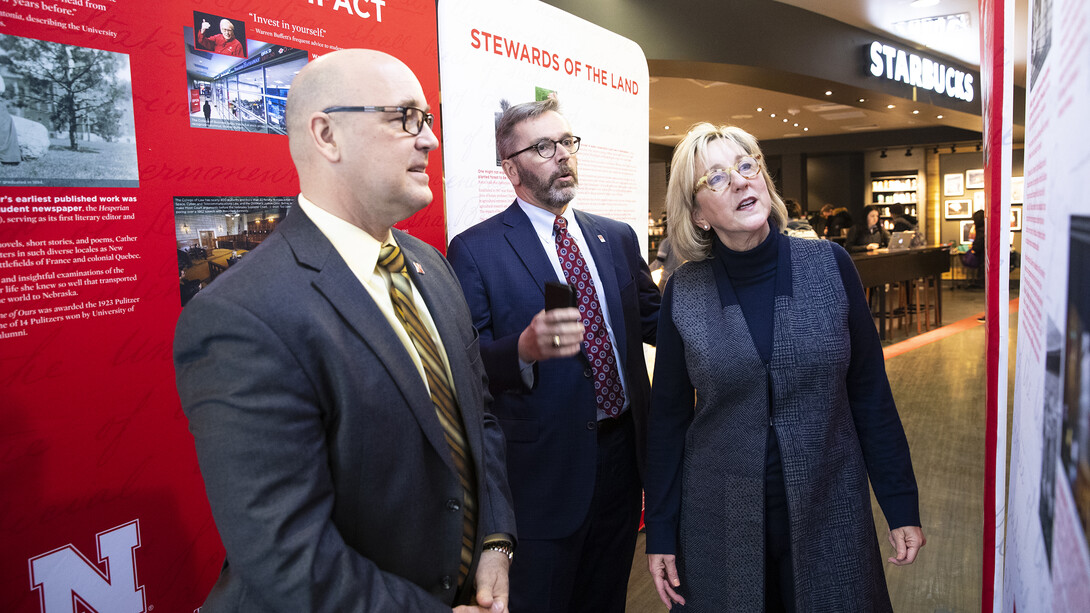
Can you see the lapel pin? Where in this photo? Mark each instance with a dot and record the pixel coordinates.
(601, 238)
(419, 268)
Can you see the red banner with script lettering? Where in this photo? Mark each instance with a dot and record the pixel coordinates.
(144, 152)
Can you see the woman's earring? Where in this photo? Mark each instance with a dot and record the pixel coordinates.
(707, 227)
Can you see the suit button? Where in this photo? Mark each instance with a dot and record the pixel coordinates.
(591, 425)
(446, 582)
(452, 505)
(587, 372)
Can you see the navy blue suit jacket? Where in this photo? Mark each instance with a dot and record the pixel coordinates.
(551, 429)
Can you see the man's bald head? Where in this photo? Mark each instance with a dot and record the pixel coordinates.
(338, 78)
(363, 166)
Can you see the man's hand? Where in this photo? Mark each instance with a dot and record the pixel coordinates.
(663, 570)
(205, 25)
(539, 341)
(492, 585)
(907, 540)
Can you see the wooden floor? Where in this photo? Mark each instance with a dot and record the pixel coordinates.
(939, 389)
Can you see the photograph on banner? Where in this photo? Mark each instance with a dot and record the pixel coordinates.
(214, 234)
(958, 209)
(497, 54)
(241, 95)
(66, 116)
(1016, 219)
(226, 37)
(1075, 447)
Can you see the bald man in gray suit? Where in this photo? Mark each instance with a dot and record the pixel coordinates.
(317, 411)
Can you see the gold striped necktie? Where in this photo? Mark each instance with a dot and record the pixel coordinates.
(442, 395)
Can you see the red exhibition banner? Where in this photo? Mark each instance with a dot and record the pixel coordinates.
(144, 152)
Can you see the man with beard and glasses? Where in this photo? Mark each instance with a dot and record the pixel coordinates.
(570, 383)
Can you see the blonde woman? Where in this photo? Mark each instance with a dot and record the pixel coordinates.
(770, 406)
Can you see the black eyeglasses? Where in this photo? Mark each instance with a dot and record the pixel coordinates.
(412, 118)
(546, 147)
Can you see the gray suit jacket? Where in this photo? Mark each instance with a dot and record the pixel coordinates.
(325, 465)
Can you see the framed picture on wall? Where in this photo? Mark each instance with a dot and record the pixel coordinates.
(974, 179)
(958, 209)
(953, 185)
(1016, 219)
(967, 232)
(1018, 188)
(978, 201)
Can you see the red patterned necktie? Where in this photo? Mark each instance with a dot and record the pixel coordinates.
(596, 343)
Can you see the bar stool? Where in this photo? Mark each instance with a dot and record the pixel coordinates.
(929, 305)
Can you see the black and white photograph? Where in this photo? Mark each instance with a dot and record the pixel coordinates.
(974, 179)
(66, 116)
(953, 184)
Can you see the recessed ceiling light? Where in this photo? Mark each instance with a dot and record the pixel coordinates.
(828, 92)
(938, 117)
(915, 112)
(796, 125)
(771, 114)
(665, 127)
(862, 99)
(759, 109)
(785, 120)
(891, 106)
(806, 129)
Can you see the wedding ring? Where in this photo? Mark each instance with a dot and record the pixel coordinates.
(556, 341)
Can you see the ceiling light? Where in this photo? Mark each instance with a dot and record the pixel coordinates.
(785, 120)
(771, 114)
(908, 152)
(916, 112)
(760, 108)
(883, 154)
(828, 92)
(796, 125)
(938, 116)
(862, 99)
(891, 106)
(806, 129)
(665, 127)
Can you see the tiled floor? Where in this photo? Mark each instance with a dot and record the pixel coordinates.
(939, 388)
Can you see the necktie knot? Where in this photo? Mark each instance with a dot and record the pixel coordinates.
(560, 225)
(390, 258)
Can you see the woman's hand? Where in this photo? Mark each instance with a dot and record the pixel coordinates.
(907, 540)
(664, 572)
(872, 246)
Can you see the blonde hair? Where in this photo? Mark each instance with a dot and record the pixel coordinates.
(692, 242)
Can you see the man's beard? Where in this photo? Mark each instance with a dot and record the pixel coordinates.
(545, 192)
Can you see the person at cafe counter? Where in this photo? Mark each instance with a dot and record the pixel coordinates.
(333, 384)
(868, 235)
(771, 406)
(571, 384)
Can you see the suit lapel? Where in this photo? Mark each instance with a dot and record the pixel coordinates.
(335, 281)
(604, 261)
(524, 241)
(446, 324)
